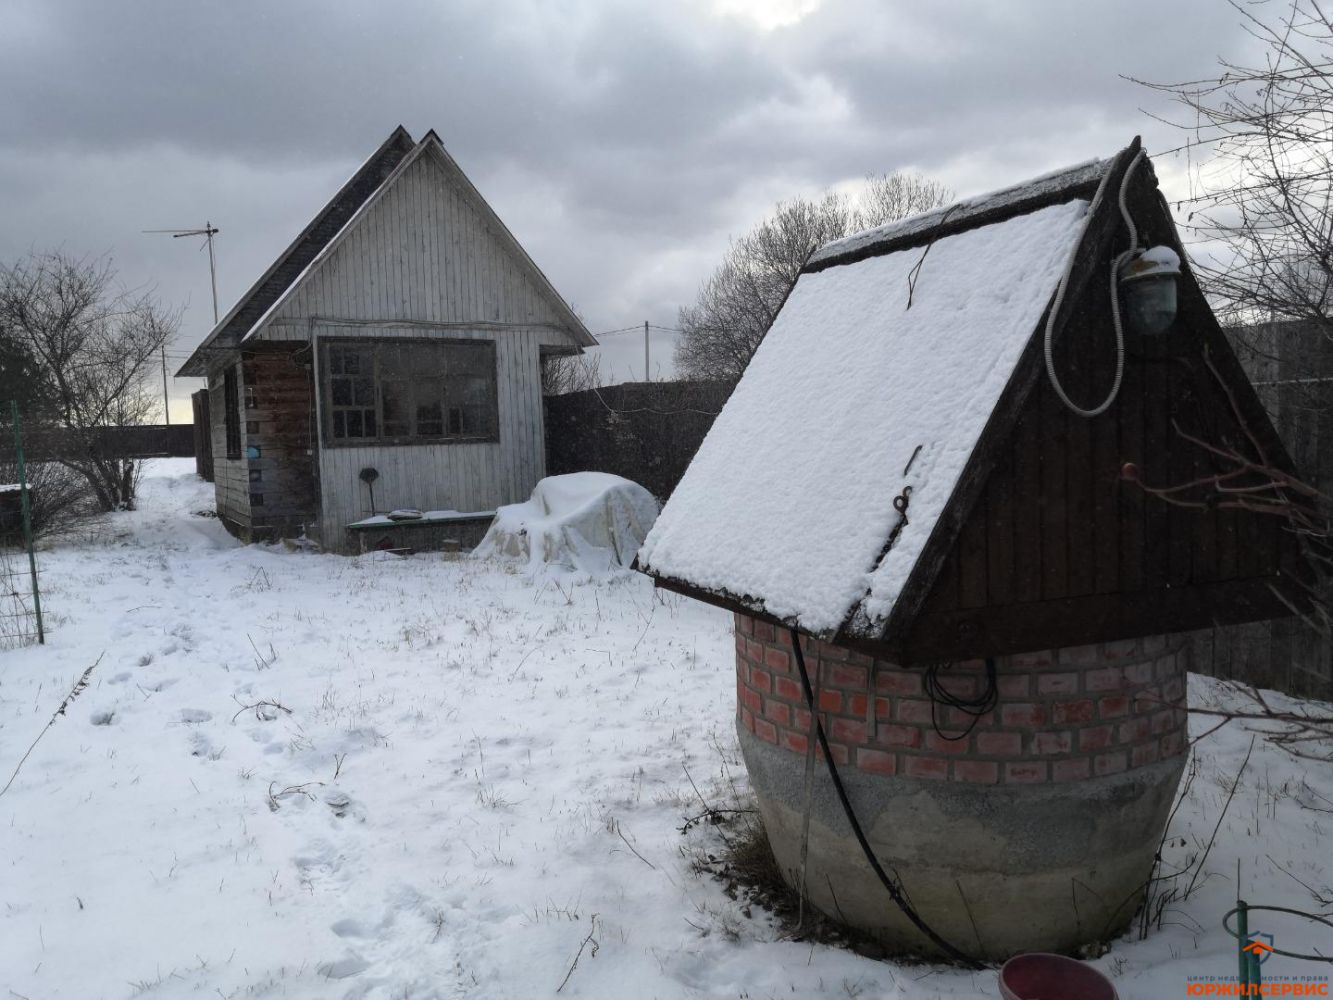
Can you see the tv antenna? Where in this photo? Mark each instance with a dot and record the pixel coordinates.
(208, 232)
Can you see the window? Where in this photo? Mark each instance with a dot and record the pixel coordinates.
(231, 412)
(409, 391)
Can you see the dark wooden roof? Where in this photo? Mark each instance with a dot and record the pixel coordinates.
(1042, 543)
(293, 261)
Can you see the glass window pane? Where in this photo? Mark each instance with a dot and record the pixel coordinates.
(363, 391)
(339, 424)
(342, 392)
(369, 424)
(354, 424)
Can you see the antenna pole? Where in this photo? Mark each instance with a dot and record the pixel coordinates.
(166, 398)
(212, 269)
(647, 372)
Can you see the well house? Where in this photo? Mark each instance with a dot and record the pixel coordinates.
(925, 503)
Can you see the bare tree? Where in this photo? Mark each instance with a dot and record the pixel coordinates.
(739, 301)
(1262, 203)
(93, 347)
(564, 373)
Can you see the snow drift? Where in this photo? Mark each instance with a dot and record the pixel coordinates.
(589, 522)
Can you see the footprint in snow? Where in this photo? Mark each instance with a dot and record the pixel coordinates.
(102, 717)
(349, 929)
(195, 715)
(351, 964)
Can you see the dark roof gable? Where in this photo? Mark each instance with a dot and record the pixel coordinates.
(292, 261)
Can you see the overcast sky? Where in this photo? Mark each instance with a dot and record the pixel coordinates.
(622, 142)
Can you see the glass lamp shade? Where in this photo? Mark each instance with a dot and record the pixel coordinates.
(1149, 303)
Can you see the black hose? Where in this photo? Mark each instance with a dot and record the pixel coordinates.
(894, 891)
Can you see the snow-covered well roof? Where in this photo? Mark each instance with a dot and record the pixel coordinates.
(870, 391)
(789, 500)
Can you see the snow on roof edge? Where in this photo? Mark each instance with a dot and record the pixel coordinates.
(1048, 183)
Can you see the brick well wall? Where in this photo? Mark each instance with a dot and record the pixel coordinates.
(1063, 715)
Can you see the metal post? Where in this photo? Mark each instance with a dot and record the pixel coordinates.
(212, 269)
(166, 398)
(27, 519)
(1242, 939)
(647, 376)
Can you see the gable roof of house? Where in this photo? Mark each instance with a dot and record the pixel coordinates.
(331, 224)
(826, 476)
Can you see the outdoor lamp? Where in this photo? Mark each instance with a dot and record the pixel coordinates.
(1148, 290)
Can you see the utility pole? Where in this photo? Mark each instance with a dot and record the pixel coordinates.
(208, 232)
(647, 372)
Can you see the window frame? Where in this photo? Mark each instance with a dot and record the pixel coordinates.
(377, 346)
(231, 412)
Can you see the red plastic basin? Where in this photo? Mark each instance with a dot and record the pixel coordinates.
(1039, 976)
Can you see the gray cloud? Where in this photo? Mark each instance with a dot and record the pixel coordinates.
(621, 141)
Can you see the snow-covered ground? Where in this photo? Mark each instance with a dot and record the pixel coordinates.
(467, 767)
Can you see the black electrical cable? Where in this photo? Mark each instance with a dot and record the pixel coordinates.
(975, 707)
(894, 891)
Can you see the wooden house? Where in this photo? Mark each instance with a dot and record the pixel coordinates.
(390, 358)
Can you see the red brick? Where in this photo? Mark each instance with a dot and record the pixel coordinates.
(936, 743)
(1135, 730)
(1040, 658)
(1072, 712)
(1081, 656)
(1110, 763)
(793, 741)
(1014, 685)
(1165, 667)
(785, 687)
(856, 705)
(1000, 744)
(1023, 715)
(754, 650)
(1113, 707)
(1025, 773)
(1123, 649)
(744, 624)
(830, 701)
(1052, 743)
(956, 718)
(766, 730)
(800, 720)
(1095, 737)
(876, 761)
(777, 659)
(962, 685)
(1070, 770)
(897, 736)
(1057, 683)
(1172, 744)
(828, 651)
(918, 712)
(747, 720)
(761, 680)
(1139, 673)
(981, 772)
(740, 644)
(883, 708)
(1155, 645)
(1107, 679)
(1163, 721)
(777, 712)
(1144, 753)
(1174, 690)
(843, 676)
(849, 731)
(897, 682)
(925, 767)
(751, 700)
(764, 631)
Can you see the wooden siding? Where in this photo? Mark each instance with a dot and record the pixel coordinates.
(280, 447)
(230, 476)
(1059, 545)
(422, 253)
(466, 476)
